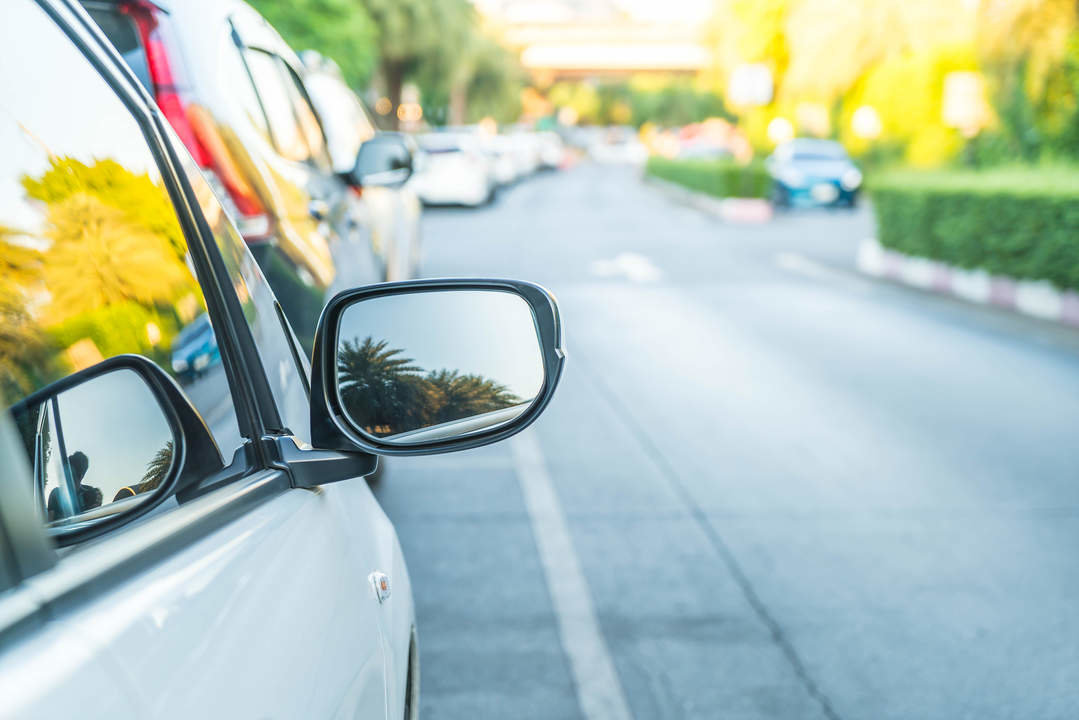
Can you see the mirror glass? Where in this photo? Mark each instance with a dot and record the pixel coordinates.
(98, 448)
(384, 160)
(425, 366)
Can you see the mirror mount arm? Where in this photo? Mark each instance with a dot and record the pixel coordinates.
(312, 468)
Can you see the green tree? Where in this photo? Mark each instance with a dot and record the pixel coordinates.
(1030, 51)
(463, 396)
(157, 468)
(408, 32)
(339, 29)
(381, 390)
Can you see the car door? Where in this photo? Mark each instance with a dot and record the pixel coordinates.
(239, 594)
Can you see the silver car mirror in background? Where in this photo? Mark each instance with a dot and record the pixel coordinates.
(108, 443)
(383, 161)
(433, 365)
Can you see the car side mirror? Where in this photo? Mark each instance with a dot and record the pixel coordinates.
(109, 443)
(429, 366)
(383, 161)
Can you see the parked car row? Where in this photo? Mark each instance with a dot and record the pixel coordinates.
(198, 373)
(469, 166)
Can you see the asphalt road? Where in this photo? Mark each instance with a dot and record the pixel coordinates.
(790, 491)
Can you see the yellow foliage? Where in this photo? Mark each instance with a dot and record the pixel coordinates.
(907, 93)
(99, 257)
(582, 97)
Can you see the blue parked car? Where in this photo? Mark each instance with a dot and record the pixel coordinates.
(807, 172)
(194, 349)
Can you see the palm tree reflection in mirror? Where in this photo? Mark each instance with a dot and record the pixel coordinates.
(386, 394)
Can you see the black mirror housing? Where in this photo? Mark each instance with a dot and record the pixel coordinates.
(192, 451)
(383, 161)
(336, 427)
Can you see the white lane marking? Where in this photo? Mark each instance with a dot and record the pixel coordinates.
(599, 692)
(630, 265)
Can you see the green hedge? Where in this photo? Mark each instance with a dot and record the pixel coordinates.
(1022, 222)
(722, 178)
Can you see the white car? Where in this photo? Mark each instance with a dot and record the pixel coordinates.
(453, 170)
(393, 214)
(503, 163)
(178, 545)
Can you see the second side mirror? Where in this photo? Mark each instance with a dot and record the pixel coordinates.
(383, 161)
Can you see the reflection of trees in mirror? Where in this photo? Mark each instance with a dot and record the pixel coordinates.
(386, 394)
(156, 471)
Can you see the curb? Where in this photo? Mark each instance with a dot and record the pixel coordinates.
(1038, 298)
(735, 210)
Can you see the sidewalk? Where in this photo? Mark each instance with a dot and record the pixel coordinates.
(1038, 299)
(737, 210)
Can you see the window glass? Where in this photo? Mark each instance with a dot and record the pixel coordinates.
(288, 136)
(94, 261)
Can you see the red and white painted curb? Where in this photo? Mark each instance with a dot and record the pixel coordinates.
(1038, 298)
(736, 210)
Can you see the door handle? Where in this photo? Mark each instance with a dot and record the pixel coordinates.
(318, 209)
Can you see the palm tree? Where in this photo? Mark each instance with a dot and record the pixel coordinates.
(383, 392)
(467, 395)
(157, 468)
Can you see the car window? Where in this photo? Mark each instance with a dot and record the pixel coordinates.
(95, 264)
(285, 131)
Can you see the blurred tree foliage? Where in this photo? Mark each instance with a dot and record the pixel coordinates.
(894, 55)
(468, 75)
(22, 344)
(339, 29)
(665, 101)
(1030, 51)
(108, 261)
(462, 72)
(113, 237)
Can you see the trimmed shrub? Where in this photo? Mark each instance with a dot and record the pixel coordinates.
(722, 178)
(1020, 222)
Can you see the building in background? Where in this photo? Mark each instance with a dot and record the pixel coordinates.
(576, 39)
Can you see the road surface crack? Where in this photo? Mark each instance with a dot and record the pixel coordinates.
(778, 635)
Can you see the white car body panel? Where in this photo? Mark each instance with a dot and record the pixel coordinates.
(271, 615)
